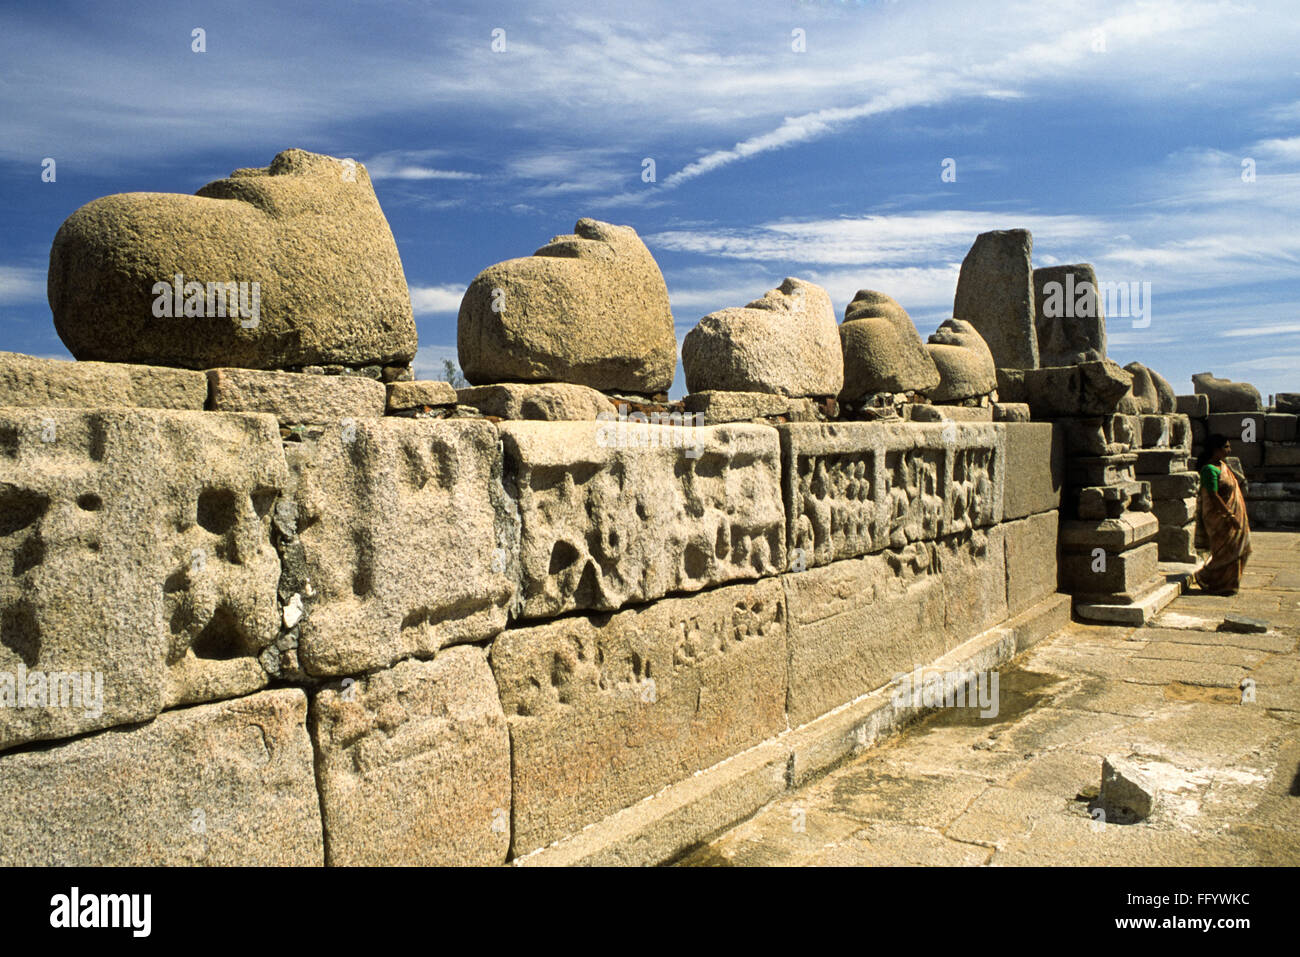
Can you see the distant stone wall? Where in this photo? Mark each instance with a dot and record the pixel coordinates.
(1265, 441)
(350, 637)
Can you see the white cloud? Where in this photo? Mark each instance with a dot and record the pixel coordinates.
(426, 300)
(412, 165)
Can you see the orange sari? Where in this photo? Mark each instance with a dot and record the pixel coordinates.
(1229, 546)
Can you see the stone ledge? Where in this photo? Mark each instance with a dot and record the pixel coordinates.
(58, 383)
(294, 398)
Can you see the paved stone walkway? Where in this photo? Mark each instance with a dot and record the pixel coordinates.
(960, 789)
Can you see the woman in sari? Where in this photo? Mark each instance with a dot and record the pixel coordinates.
(1221, 521)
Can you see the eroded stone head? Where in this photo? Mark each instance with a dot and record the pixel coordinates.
(290, 265)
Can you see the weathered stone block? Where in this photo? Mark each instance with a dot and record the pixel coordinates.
(786, 342)
(1156, 431)
(1176, 511)
(1112, 534)
(974, 572)
(408, 540)
(280, 267)
(1280, 427)
(539, 401)
(615, 513)
(1237, 425)
(1177, 543)
(294, 398)
(1087, 389)
(1103, 469)
(1279, 454)
(1161, 461)
(882, 350)
(39, 383)
(1284, 513)
(852, 488)
(136, 546)
(607, 710)
(1124, 429)
(1196, 406)
(1128, 792)
(1287, 402)
(950, 413)
(1088, 437)
(1035, 469)
(1030, 560)
(965, 365)
(1227, 396)
(1010, 412)
(590, 307)
(1068, 315)
(413, 394)
(414, 765)
(1111, 501)
(227, 785)
(856, 624)
(1250, 455)
(995, 294)
(1103, 573)
(1179, 485)
(719, 407)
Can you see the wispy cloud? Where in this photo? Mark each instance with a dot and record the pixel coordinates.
(21, 284)
(411, 164)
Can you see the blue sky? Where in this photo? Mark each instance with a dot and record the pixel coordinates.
(1116, 132)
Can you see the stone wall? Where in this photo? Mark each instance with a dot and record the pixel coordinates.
(1265, 442)
(326, 634)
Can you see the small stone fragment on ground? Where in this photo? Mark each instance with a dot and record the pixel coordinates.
(1127, 792)
(1243, 625)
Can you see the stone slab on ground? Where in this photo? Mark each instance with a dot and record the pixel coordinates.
(1135, 613)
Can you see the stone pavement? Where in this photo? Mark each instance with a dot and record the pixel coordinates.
(1015, 789)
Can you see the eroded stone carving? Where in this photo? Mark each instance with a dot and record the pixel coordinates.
(136, 546)
(408, 541)
(610, 516)
(852, 488)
